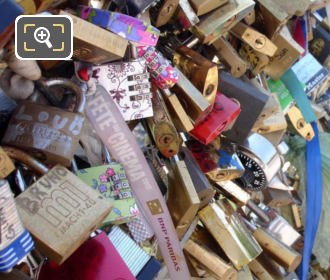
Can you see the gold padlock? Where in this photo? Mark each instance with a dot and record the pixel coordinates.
(222, 222)
(256, 61)
(228, 55)
(183, 202)
(200, 71)
(6, 164)
(202, 7)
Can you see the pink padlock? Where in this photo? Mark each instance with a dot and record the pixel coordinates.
(162, 73)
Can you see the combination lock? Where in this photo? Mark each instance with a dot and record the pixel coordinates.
(260, 160)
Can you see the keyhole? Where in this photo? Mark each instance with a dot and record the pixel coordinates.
(260, 42)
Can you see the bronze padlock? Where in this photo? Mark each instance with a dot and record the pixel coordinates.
(48, 133)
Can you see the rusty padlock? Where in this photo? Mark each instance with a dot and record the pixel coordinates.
(48, 133)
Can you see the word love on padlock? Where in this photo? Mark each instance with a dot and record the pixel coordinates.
(15, 240)
(48, 133)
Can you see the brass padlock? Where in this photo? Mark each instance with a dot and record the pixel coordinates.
(48, 133)
(183, 202)
(200, 71)
(161, 127)
(222, 222)
(202, 7)
(6, 164)
(162, 12)
(59, 210)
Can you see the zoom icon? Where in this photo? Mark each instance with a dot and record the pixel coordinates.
(43, 37)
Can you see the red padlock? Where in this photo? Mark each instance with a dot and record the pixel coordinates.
(224, 113)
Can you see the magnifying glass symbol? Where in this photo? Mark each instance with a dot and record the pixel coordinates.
(41, 35)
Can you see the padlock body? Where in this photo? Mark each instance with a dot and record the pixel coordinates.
(48, 133)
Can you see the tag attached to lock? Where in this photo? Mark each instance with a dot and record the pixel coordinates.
(15, 240)
(6, 164)
(223, 114)
(49, 133)
(61, 211)
(128, 85)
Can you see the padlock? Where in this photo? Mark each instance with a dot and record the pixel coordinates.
(15, 240)
(320, 44)
(250, 18)
(265, 269)
(6, 164)
(162, 73)
(278, 251)
(217, 164)
(162, 129)
(256, 61)
(202, 186)
(200, 71)
(241, 198)
(59, 210)
(279, 227)
(222, 19)
(183, 201)
(302, 127)
(217, 267)
(288, 51)
(128, 85)
(163, 11)
(276, 198)
(179, 116)
(110, 181)
(194, 103)
(228, 55)
(260, 160)
(157, 167)
(186, 15)
(130, 28)
(254, 39)
(223, 115)
(49, 133)
(203, 7)
(240, 247)
(94, 44)
(246, 94)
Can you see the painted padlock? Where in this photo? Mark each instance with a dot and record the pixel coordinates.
(48, 133)
(15, 240)
(161, 71)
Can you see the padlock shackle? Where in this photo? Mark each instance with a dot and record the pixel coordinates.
(80, 97)
(20, 156)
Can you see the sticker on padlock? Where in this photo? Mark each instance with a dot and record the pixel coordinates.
(15, 240)
(130, 28)
(162, 73)
(110, 181)
(223, 114)
(127, 83)
(49, 133)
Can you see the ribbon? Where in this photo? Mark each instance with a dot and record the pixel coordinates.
(117, 137)
(314, 199)
(292, 83)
